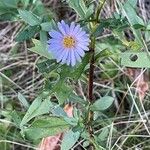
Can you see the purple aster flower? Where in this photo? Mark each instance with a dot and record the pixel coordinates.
(69, 43)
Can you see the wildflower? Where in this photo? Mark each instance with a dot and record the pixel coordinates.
(69, 43)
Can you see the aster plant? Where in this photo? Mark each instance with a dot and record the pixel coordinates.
(69, 52)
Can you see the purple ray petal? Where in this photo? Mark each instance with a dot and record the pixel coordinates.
(55, 34)
(65, 26)
(76, 29)
(84, 43)
(54, 47)
(82, 39)
(72, 26)
(80, 51)
(61, 55)
(78, 58)
(54, 41)
(64, 59)
(82, 46)
(73, 59)
(69, 59)
(61, 28)
(58, 53)
(82, 33)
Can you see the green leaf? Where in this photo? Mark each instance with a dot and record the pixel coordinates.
(131, 14)
(43, 39)
(23, 100)
(135, 59)
(60, 89)
(147, 36)
(80, 68)
(133, 3)
(8, 16)
(139, 26)
(2, 4)
(27, 33)
(102, 103)
(79, 6)
(111, 23)
(104, 134)
(69, 139)
(47, 26)
(134, 45)
(45, 126)
(86, 144)
(38, 107)
(128, 10)
(39, 49)
(90, 11)
(29, 17)
(58, 111)
(25, 2)
(148, 26)
(76, 99)
(47, 66)
(100, 28)
(16, 118)
(3, 98)
(9, 3)
(62, 92)
(41, 10)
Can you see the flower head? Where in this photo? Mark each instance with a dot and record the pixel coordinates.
(69, 43)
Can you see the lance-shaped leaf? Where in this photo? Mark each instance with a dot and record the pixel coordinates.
(69, 139)
(128, 10)
(102, 103)
(23, 100)
(45, 126)
(29, 17)
(79, 6)
(38, 107)
(27, 33)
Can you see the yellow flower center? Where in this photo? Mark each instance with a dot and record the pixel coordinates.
(68, 42)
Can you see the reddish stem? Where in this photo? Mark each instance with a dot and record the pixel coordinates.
(91, 75)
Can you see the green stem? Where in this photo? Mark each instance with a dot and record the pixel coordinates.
(100, 7)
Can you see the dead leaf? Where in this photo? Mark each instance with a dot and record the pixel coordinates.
(141, 85)
(69, 110)
(142, 88)
(50, 143)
